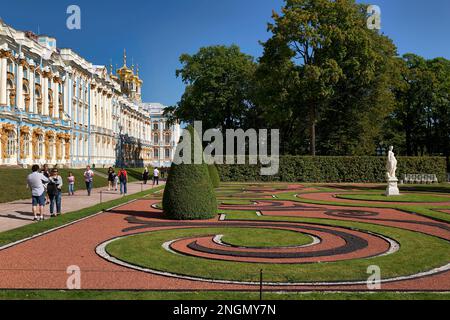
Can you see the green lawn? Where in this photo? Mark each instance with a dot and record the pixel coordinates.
(418, 253)
(134, 174)
(262, 238)
(409, 197)
(35, 228)
(428, 210)
(213, 295)
(14, 183)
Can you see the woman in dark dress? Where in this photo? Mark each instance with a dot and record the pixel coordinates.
(145, 175)
(111, 178)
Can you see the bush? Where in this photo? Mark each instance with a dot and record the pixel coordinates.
(214, 176)
(335, 169)
(189, 194)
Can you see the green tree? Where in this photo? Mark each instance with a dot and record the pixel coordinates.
(423, 105)
(218, 87)
(340, 68)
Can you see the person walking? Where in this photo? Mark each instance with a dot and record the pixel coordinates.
(89, 179)
(156, 177)
(35, 182)
(71, 183)
(111, 178)
(54, 191)
(145, 175)
(123, 178)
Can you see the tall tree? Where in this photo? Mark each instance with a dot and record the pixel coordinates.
(423, 105)
(218, 87)
(337, 59)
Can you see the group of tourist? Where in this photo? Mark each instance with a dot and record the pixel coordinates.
(46, 189)
(118, 180)
(46, 186)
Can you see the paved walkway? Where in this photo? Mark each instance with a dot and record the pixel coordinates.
(18, 213)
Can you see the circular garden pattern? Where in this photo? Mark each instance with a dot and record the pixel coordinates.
(292, 242)
(303, 238)
(406, 197)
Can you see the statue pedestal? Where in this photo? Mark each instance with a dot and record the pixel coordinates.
(392, 189)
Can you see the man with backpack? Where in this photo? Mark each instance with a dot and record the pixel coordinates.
(123, 179)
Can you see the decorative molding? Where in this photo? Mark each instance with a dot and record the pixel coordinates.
(6, 129)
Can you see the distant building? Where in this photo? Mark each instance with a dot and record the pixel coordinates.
(57, 108)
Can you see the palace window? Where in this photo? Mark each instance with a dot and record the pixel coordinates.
(11, 146)
(167, 153)
(37, 96)
(155, 127)
(26, 144)
(41, 146)
(51, 145)
(167, 139)
(155, 139)
(156, 153)
(25, 73)
(10, 89)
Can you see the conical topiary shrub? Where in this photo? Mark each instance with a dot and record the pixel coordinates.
(214, 175)
(189, 194)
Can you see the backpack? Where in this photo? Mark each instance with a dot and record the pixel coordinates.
(52, 189)
(122, 176)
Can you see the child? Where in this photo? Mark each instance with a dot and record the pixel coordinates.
(116, 182)
(71, 181)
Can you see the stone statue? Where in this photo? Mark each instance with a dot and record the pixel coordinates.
(391, 164)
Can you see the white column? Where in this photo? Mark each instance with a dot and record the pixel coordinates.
(31, 88)
(99, 109)
(44, 95)
(19, 89)
(66, 101)
(3, 78)
(77, 104)
(55, 99)
(105, 106)
(110, 114)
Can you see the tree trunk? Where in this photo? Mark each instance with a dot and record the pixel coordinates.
(312, 123)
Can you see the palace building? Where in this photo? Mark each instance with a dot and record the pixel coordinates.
(57, 108)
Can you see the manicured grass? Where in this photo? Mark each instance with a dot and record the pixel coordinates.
(35, 228)
(134, 174)
(425, 210)
(418, 253)
(263, 238)
(439, 188)
(14, 183)
(236, 202)
(410, 197)
(213, 295)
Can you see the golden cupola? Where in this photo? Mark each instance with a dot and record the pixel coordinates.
(130, 82)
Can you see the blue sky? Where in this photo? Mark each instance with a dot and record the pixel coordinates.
(156, 32)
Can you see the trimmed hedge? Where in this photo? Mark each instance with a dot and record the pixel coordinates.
(214, 176)
(189, 193)
(335, 169)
